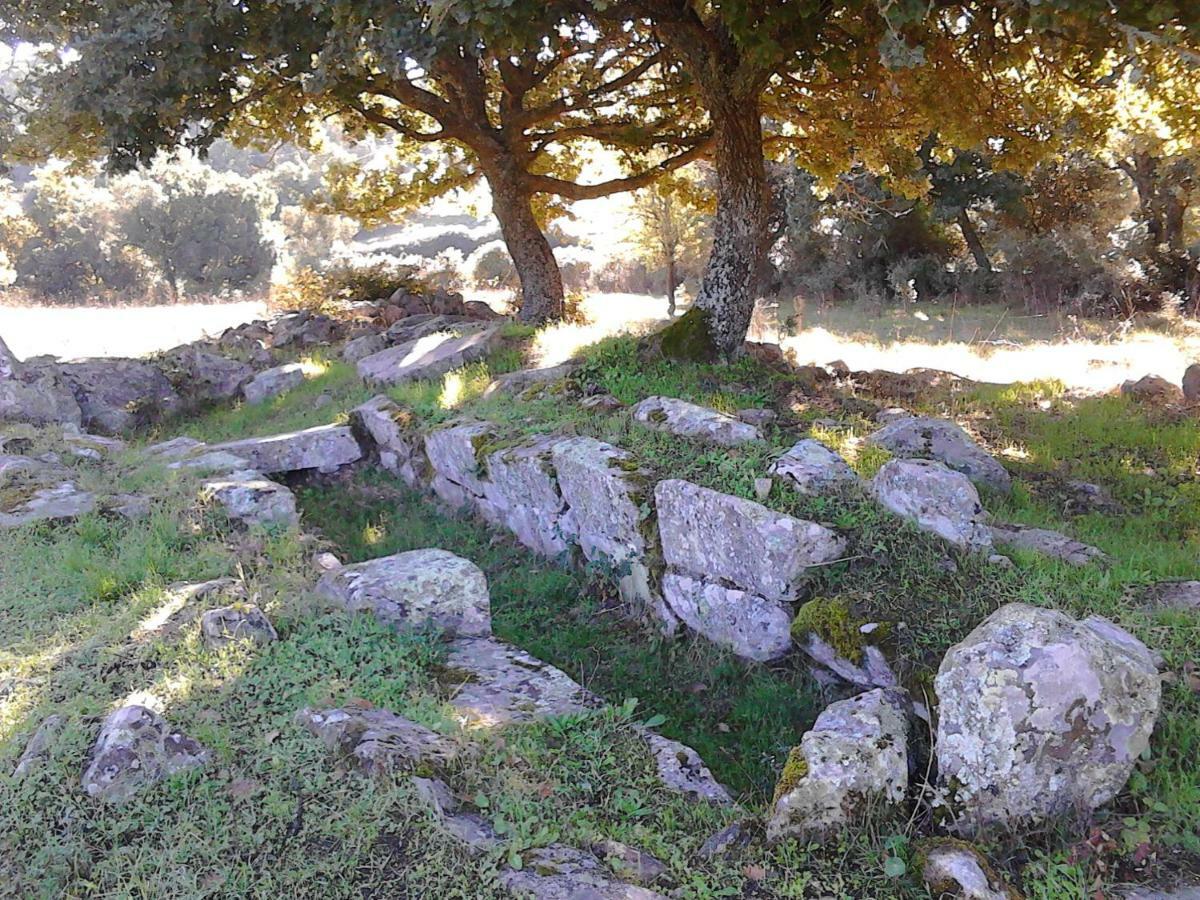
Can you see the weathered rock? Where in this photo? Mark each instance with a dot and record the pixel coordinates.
(477, 309)
(681, 770)
(935, 498)
(376, 740)
(750, 625)
(522, 493)
(856, 754)
(920, 437)
(609, 496)
(1083, 497)
(390, 434)
(601, 403)
(50, 504)
(134, 507)
(956, 869)
(325, 448)
(37, 750)
(1048, 543)
(1191, 383)
(1175, 893)
(1183, 595)
(454, 454)
(468, 827)
(415, 590)
(134, 750)
(179, 607)
(492, 683)
(717, 536)
(1152, 389)
(514, 384)
(90, 446)
(724, 842)
(812, 468)
(558, 872)
(43, 400)
(429, 357)
(8, 362)
(689, 420)
(273, 382)
(175, 449)
(304, 329)
(1040, 715)
(419, 325)
(364, 346)
(833, 636)
(252, 499)
(629, 863)
(201, 377)
(117, 395)
(241, 622)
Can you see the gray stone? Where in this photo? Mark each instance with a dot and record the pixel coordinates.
(1041, 715)
(362, 347)
(273, 382)
(202, 377)
(492, 683)
(514, 384)
(325, 448)
(601, 403)
(454, 455)
(717, 536)
(8, 362)
(414, 590)
(240, 622)
(870, 669)
(134, 750)
(134, 507)
(855, 755)
(252, 499)
(558, 872)
(522, 493)
(920, 437)
(1191, 383)
(935, 498)
(468, 827)
(1179, 595)
(1048, 543)
(724, 842)
(50, 504)
(414, 327)
(759, 418)
(378, 741)
(689, 420)
(175, 449)
(41, 401)
(390, 435)
(751, 626)
(1177, 893)
(428, 357)
(117, 395)
(681, 770)
(37, 751)
(90, 446)
(956, 869)
(629, 863)
(812, 468)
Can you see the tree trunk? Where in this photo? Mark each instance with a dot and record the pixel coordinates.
(974, 244)
(727, 292)
(541, 281)
(671, 282)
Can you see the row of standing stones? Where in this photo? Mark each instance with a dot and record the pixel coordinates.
(1039, 714)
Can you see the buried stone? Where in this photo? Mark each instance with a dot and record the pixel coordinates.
(558, 872)
(241, 622)
(134, 750)
(378, 741)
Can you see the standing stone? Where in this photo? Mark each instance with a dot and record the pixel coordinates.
(935, 498)
(414, 590)
(751, 626)
(812, 468)
(455, 454)
(117, 395)
(134, 750)
(240, 622)
(522, 493)
(1041, 715)
(689, 420)
(325, 448)
(391, 434)
(273, 382)
(855, 755)
(919, 437)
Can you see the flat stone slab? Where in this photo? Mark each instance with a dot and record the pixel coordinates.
(416, 589)
(514, 384)
(681, 770)
(376, 740)
(273, 382)
(689, 420)
(60, 503)
(721, 537)
(1047, 543)
(427, 357)
(920, 437)
(1184, 595)
(751, 626)
(812, 468)
(559, 872)
(605, 489)
(325, 448)
(134, 750)
(492, 683)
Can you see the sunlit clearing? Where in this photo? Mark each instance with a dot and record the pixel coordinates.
(452, 390)
(605, 315)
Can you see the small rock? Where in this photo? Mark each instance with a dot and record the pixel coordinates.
(956, 869)
(367, 345)
(38, 749)
(629, 863)
(601, 403)
(273, 382)
(134, 750)
(467, 827)
(8, 362)
(252, 499)
(558, 872)
(724, 842)
(762, 488)
(681, 770)
(1183, 595)
(242, 622)
(1048, 543)
(999, 559)
(377, 740)
(812, 468)
(326, 562)
(1191, 383)
(759, 418)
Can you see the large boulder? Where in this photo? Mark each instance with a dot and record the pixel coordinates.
(378, 741)
(428, 357)
(414, 590)
(134, 750)
(919, 437)
(689, 420)
(1041, 715)
(390, 435)
(201, 377)
(273, 382)
(935, 498)
(325, 448)
(40, 400)
(117, 395)
(522, 493)
(855, 756)
(812, 468)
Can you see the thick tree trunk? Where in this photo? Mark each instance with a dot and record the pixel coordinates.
(974, 244)
(671, 284)
(727, 292)
(541, 281)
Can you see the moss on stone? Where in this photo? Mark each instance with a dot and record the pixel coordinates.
(657, 416)
(689, 338)
(794, 771)
(832, 620)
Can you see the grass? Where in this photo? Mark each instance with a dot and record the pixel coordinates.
(276, 814)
